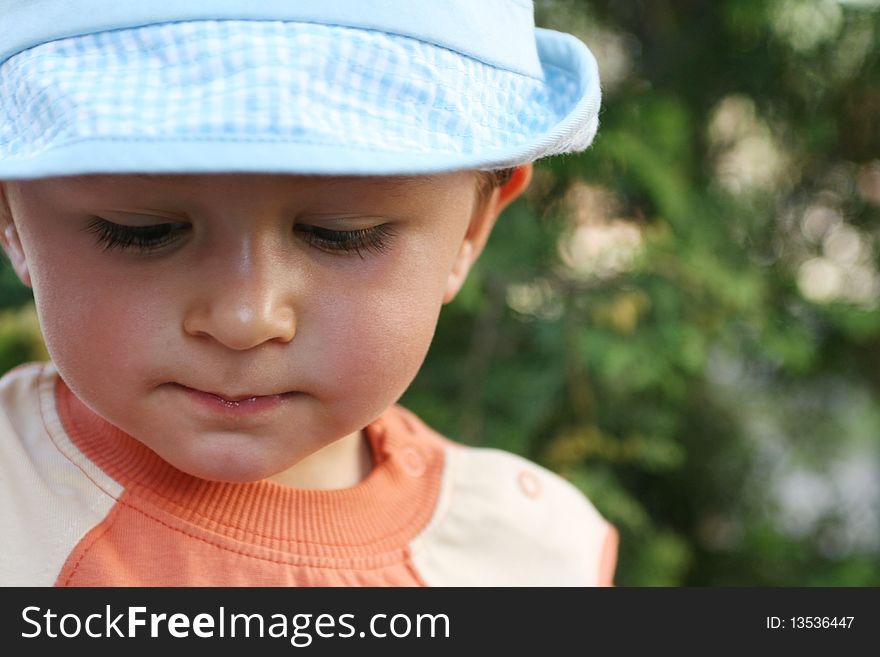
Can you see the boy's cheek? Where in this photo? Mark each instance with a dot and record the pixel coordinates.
(381, 344)
(100, 350)
(89, 326)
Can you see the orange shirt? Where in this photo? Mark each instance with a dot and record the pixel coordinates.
(84, 504)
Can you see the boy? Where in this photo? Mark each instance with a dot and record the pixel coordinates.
(240, 221)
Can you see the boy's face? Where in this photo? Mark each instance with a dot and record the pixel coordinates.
(305, 305)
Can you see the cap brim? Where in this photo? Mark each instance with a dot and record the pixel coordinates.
(394, 127)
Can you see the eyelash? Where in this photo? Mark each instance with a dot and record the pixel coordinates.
(358, 241)
(150, 238)
(143, 238)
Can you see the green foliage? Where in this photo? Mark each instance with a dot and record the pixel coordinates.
(20, 339)
(12, 292)
(715, 395)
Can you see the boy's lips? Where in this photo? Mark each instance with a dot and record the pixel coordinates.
(236, 402)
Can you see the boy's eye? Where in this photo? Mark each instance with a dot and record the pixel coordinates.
(347, 241)
(143, 238)
(152, 237)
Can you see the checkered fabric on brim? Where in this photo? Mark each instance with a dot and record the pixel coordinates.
(284, 97)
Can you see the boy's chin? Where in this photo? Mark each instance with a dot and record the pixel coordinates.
(230, 459)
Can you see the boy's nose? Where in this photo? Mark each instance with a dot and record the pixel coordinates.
(244, 306)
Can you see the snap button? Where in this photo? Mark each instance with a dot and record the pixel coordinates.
(529, 483)
(412, 461)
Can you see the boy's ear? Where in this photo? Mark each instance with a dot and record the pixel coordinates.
(481, 226)
(10, 241)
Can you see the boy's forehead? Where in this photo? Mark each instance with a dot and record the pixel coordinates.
(207, 190)
(389, 183)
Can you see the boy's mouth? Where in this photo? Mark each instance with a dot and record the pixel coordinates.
(236, 401)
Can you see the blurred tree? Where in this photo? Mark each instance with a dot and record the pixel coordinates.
(12, 292)
(685, 320)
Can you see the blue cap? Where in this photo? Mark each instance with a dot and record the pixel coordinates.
(336, 87)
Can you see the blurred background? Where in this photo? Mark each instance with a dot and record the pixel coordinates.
(685, 320)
